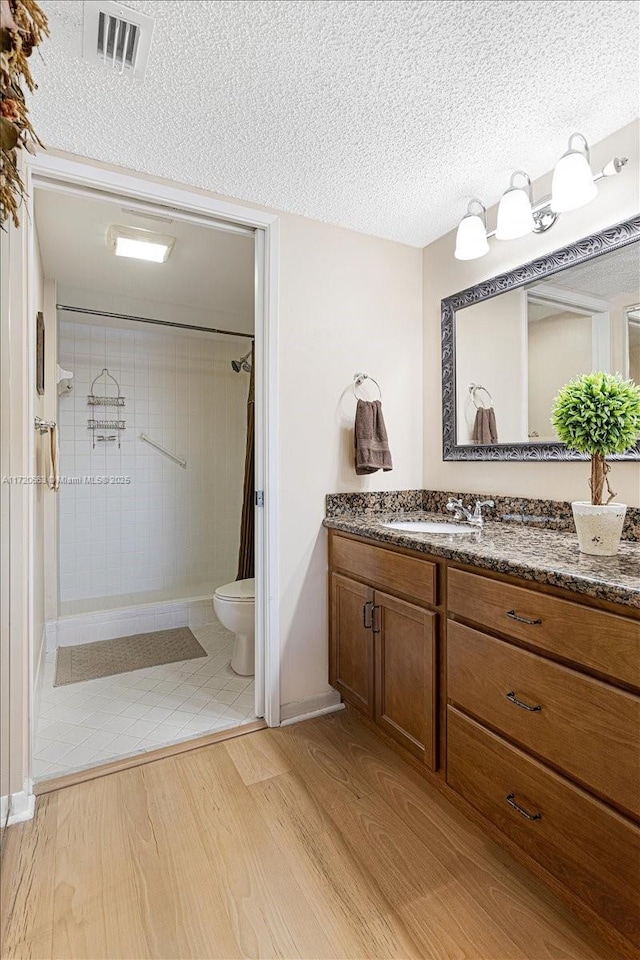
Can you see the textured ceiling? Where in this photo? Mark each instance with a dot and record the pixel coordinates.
(607, 277)
(381, 115)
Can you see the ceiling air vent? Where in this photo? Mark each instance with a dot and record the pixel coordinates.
(117, 37)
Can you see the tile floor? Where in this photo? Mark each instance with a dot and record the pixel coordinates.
(83, 724)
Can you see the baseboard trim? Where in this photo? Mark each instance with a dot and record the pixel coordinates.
(21, 808)
(139, 759)
(312, 707)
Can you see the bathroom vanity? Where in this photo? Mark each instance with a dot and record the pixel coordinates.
(505, 666)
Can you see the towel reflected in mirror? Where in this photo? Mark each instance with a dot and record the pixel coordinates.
(484, 427)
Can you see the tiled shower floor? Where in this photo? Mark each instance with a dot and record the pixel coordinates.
(84, 724)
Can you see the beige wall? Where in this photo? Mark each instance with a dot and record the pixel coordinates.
(486, 333)
(559, 348)
(348, 303)
(443, 275)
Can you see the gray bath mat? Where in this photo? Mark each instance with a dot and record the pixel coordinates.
(88, 661)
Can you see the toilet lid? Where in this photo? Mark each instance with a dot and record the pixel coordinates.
(239, 590)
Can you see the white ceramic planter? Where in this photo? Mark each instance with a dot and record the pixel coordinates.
(598, 527)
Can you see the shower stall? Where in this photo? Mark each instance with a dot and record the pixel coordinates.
(152, 452)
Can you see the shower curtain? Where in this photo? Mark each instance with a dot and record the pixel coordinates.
(246, 553)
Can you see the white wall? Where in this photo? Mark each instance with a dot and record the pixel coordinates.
(169, 529)
(443, 275)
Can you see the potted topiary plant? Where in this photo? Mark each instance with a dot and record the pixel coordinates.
(599, 414)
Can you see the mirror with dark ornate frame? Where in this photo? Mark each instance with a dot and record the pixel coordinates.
(510, 343)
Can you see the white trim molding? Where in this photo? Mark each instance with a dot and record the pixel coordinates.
(311, 707)
(67, 174)
(17, 808)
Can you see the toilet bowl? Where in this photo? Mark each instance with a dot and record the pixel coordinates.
(234, 604)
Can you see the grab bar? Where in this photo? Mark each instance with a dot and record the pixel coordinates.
(172, 456)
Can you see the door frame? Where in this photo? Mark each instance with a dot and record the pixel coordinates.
(71, 173)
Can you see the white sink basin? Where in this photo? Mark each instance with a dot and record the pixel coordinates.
(430, 526)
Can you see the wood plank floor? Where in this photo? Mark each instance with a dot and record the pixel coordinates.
(314, 841)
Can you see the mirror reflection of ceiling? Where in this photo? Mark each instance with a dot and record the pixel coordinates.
(605, 277)
(208, 280)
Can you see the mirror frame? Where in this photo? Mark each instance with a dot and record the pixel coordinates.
(588, 248)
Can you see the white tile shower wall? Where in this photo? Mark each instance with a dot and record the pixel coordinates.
(168, 527)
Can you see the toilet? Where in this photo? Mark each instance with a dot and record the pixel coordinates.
(235, 604)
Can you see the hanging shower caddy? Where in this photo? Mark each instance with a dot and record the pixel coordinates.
(95, 400)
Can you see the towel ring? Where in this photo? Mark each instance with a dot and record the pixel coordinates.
(473, 389)
(358, 380)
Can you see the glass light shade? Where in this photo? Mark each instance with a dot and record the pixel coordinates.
(141, 250)
(515, 218)
(572, 184)
(471, 238)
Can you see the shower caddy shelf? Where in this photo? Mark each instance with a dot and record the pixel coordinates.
(95, 400)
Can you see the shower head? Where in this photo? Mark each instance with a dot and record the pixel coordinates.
(242, 364)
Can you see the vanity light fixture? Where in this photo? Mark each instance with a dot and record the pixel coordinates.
(471, 238)
(515, 215)
(573, 185)
(139, 244)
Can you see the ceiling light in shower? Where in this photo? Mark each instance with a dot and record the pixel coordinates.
(139, 244)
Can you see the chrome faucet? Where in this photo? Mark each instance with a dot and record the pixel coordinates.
(460, 512)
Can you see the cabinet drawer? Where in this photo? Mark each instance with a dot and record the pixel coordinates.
(604, 642)
(587, 728)
(409, 576)
(591, 849)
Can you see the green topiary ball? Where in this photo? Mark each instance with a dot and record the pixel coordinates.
(598, 413)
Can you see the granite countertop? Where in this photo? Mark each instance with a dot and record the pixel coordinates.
(533, 553)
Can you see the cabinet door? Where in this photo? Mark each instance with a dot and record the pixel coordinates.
(351, 642)
(405, 674)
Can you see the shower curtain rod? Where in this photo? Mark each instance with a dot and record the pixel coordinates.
(161, 323)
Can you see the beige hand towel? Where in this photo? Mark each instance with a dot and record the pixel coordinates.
(371, 442)
(51, 461)
(484, 427)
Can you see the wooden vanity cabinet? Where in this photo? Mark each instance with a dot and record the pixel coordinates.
(537, 691)
(547, 752)
(405, 671)
(351, 652)
(382, 644)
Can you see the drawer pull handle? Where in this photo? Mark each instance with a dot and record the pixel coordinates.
(366, 625)
(511, 800)
(511, 697)
(375, 618)
(514, 616)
